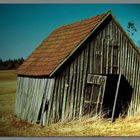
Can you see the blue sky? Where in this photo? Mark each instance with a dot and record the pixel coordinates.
(24, 26)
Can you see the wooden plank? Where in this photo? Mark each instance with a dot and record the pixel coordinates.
(104, 56)
(43, 122)
(80, 63)
(104, 51)
(54, 117)
(50, 93)
(126, 58)
(32, 89)
(121, 54)
(101, 67)
(107, 56)
(102, 96)
(57, 91)
(128, 63)
(116, 95)
(132, 66)
(44, 100)
(111, 63)
(130, 75)
(119, 47)
(40, 97)
(50, 104)
(95, 62)
(35, 102)
(81, 59)
(98, 55)
(98, 100)
(68, 104)
(73, 90)
(90, 109)
(76, 87)
(28, 98)
(49, 113)
(64, 95)
(138, 87)
(84, 81)
(135, 80)
(91, 52)
(23, 98)
(67, 86)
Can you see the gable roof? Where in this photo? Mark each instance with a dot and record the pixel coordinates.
(59, 46)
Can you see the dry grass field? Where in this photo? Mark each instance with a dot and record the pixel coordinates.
(12, 126)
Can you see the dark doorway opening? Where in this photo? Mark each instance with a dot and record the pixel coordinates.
(123, 97)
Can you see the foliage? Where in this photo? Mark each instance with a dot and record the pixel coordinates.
(10, 64)
(131, 27)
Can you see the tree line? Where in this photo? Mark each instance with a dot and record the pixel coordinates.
(11, 64)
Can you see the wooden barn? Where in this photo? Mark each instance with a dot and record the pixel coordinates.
(90, 67)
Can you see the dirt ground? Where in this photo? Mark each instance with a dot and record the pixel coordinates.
(12, 126)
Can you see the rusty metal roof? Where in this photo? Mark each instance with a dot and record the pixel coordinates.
(59, 45)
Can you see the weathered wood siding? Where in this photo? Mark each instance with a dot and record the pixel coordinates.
(29, 96)
(110, 52)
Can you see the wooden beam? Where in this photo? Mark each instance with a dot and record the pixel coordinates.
(115, 101)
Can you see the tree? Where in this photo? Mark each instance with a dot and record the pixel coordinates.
(10, 64)
(131, 28)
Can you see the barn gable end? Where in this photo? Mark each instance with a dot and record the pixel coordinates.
(79, 82)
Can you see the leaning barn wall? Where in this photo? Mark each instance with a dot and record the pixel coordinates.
(29, 95)
(109, 53)
(117, 55)
(128, 60)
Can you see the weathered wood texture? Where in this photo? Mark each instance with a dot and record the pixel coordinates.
(29, 96)
(110, 52)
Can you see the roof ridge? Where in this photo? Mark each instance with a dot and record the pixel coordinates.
(82, 20)
(58, 44)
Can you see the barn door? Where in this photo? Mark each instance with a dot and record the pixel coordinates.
(117, 96)
(94, 94)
